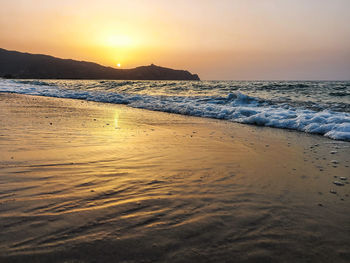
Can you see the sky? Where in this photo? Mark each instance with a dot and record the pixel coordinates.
(217, 39)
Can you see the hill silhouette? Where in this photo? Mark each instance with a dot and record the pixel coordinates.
(14, 64)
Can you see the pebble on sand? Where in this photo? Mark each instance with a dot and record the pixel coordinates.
(343, 178)
(333, 191)
(338, 183)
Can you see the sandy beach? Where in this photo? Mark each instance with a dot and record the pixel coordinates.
(84, 181)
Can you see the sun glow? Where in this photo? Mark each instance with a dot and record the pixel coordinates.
(118, 41)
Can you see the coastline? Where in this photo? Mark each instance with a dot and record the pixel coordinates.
(243, 103)
(91, 181)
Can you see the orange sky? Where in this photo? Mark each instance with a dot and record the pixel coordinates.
(227, 39)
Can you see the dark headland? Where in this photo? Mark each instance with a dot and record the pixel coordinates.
(14, 64)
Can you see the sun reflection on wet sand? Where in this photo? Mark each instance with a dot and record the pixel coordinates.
(116, 118)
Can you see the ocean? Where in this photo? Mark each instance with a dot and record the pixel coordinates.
(317, 107)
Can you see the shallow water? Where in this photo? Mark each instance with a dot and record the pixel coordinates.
(87, 182)
(319, 107)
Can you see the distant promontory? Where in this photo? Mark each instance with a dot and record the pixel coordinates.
(14, 64)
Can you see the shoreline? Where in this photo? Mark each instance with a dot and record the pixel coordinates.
(174, 113)
(85, 180)
(237, 106)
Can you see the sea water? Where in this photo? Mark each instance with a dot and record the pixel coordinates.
(318, 107)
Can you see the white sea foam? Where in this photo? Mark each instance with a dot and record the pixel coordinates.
(235, 106)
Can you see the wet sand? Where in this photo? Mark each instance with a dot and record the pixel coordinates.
(92, 182)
